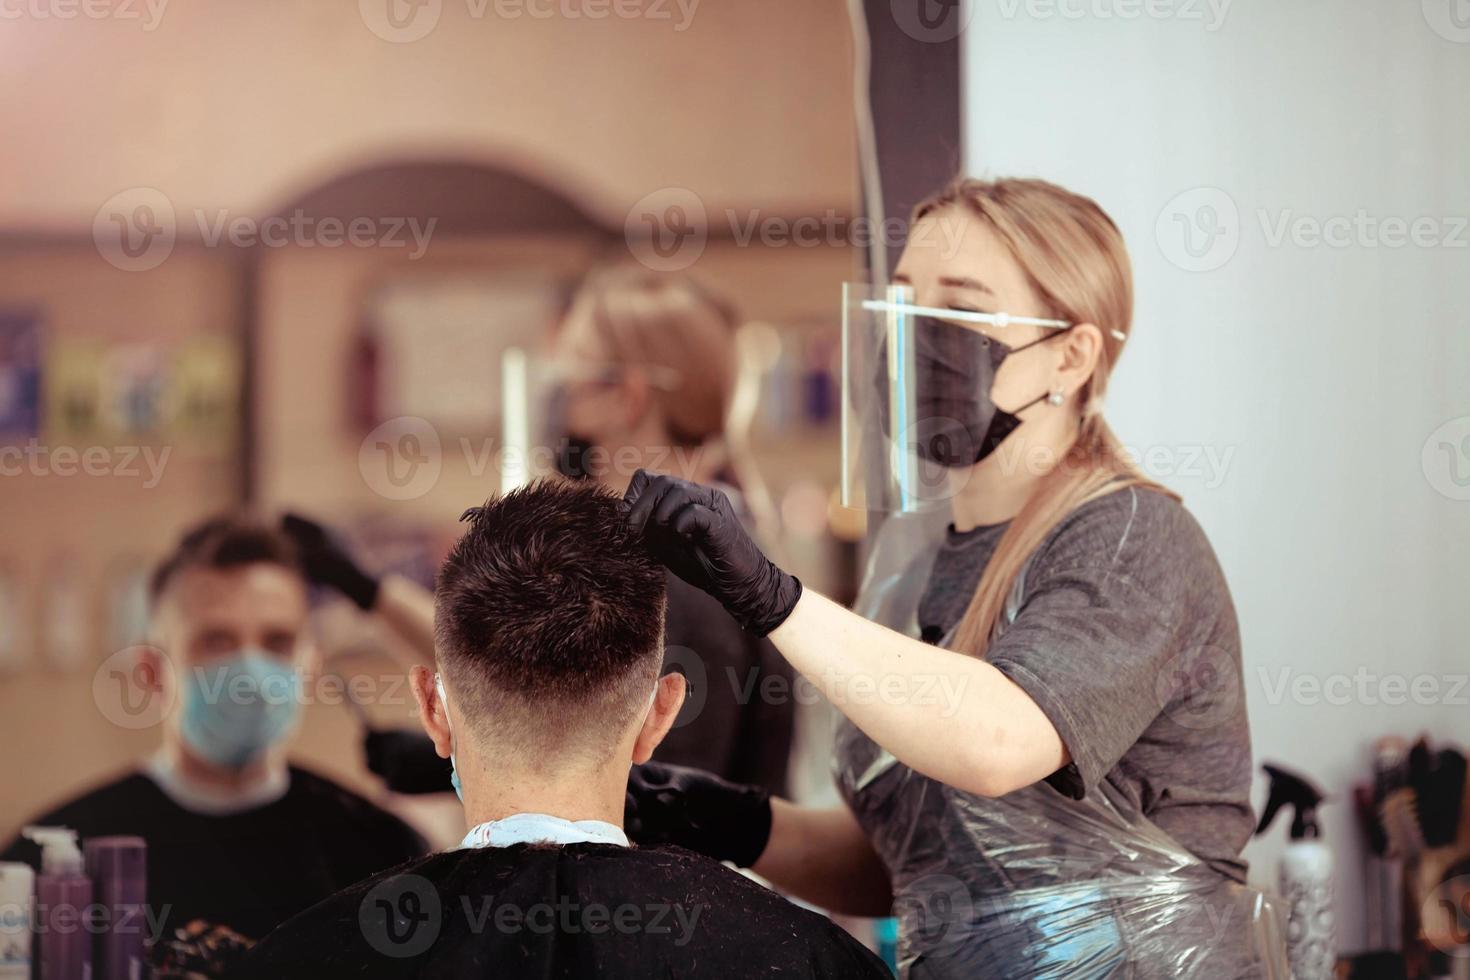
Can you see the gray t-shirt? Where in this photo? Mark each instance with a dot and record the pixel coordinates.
(1125, 635)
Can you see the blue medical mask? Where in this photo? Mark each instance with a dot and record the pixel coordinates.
(237, 707)
(453, 770)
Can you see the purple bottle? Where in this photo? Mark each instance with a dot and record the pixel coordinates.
(63, 948)
(118, 867)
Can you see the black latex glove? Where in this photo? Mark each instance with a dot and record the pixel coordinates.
(327, 563)
(697, 810)
(406, 761)
(694, 531)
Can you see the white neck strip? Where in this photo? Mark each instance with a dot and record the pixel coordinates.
(542, 828)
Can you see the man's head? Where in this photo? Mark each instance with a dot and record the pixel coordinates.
(230, 601)
(548, 620)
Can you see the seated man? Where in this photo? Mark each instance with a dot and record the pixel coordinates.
(237, 838)
(548, 616)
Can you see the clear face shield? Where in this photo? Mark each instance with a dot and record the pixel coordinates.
(916, 395)
(541, 399)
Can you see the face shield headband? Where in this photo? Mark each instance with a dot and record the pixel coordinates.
(917, 394)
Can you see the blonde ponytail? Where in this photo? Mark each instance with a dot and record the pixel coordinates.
(1074, 256)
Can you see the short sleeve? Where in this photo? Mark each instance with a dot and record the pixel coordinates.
(1096, 629)
(1090, 659)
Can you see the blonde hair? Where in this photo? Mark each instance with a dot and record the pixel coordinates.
(687, 340)
(1074, 257)
(682, 337)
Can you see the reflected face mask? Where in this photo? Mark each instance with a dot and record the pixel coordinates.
(238, 707)
(956, 423)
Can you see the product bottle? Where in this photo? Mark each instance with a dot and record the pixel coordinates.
(17, 888)
(1306, 877)
(63, 899)
(118, 867)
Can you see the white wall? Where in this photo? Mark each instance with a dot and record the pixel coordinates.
(1323, 371)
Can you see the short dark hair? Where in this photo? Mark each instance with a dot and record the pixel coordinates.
(549, 614)
(225, 541)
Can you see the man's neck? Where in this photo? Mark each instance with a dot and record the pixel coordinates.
(208, 777)
(209, 790)
(503, 791)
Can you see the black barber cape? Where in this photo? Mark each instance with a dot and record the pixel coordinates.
(248, 871)
(566, 911)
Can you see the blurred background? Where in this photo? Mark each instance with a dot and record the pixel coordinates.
(271, 255)
(149, 305)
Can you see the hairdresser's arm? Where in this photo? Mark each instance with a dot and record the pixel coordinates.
(952, 717)
(820, 855)
(408, 610)
(405, 606)
(823, 857)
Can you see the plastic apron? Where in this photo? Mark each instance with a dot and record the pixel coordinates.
(1034, 884)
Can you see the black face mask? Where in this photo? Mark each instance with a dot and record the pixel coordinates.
(573, 457)
(955, 423)
(572, 452)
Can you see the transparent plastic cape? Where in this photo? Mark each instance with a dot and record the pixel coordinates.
(1034, 884)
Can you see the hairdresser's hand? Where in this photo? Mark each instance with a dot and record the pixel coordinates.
(699, 811)
(406, 761)
(695, 532)
(327, 563)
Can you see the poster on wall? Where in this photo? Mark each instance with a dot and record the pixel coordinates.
(20, 375)
(185, 394)
(73, 409)
(204, 394)
(437, 343)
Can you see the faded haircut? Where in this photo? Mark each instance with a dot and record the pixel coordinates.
(549, 618)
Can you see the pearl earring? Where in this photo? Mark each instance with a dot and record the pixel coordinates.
(1056, 397)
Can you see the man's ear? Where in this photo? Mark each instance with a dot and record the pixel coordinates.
(309, 662)
(667, 702)
(432, 714)
(150, 669)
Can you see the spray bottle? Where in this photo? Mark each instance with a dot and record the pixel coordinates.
(1305, 876)
(63, 901)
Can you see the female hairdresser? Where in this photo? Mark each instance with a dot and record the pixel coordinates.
(646, 368)
(1057, 784)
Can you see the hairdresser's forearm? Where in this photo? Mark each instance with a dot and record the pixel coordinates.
(408, 610)
(952, 717)
(822, 856)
